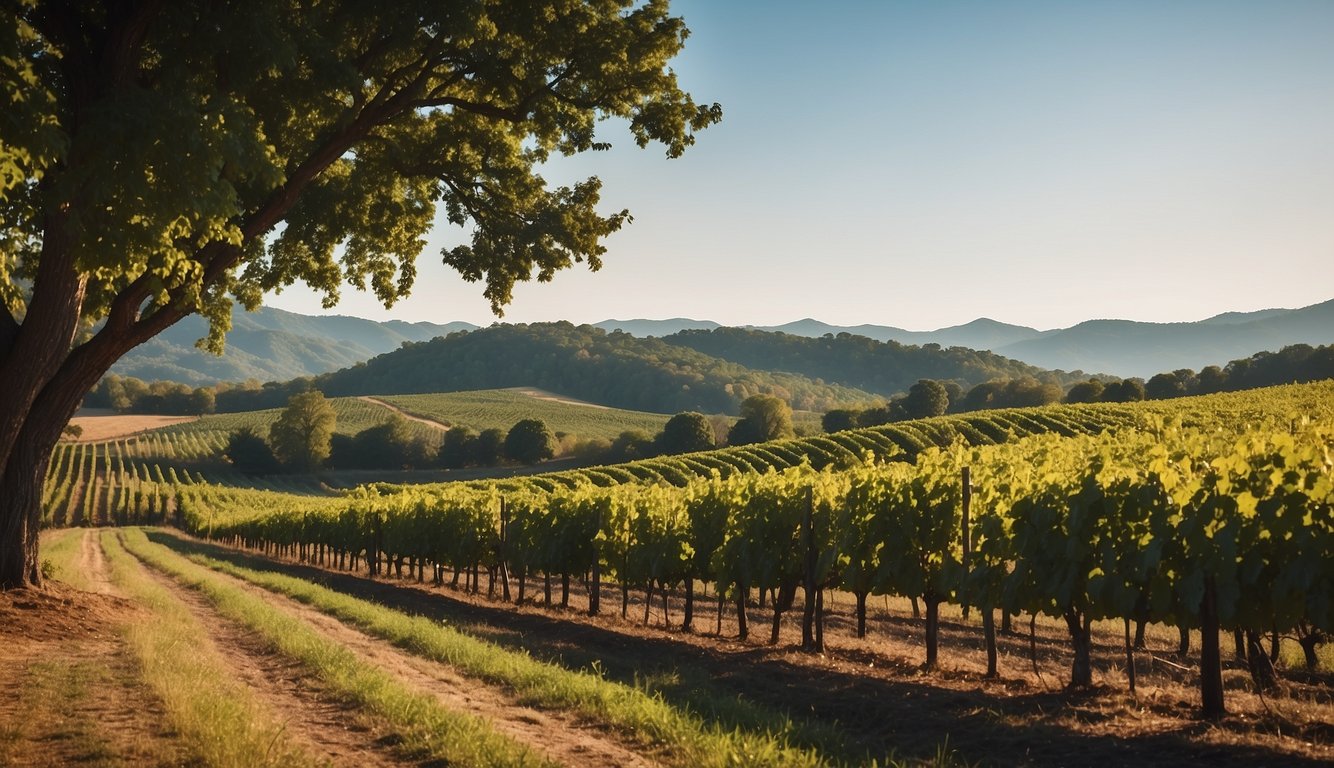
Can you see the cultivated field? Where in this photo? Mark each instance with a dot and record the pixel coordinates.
(501, 408)
(544, 620)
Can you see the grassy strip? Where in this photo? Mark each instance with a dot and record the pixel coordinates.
(426, 726)
(217, 718)
(689, 740)
(60, 552)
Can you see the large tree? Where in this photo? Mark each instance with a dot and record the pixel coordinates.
(159, 159)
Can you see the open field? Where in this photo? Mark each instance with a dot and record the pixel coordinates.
(110, 427)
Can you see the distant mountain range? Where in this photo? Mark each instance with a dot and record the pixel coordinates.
(274, 345)
(1119, 347)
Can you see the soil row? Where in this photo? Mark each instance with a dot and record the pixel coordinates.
(331, 730)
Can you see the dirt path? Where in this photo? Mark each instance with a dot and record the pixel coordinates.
(73, 695)
(555, 735)
(92, 563)
(432, 423)
(313, 718)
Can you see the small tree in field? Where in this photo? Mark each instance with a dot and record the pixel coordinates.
(686, 433)
(250, 453)
(302, 435)
(530, 441)
(763, 417)
(159, 160)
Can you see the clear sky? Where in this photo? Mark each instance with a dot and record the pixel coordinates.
(922, 164)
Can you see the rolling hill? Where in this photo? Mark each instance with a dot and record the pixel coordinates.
(272, 345)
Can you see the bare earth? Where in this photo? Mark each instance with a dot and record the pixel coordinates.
(313, 718)
(72, 690)
(98, 428)
(79, 699)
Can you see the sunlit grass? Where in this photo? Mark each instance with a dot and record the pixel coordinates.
(217, 717)
(426, 726)
(684, 738)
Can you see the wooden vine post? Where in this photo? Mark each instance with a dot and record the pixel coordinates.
(595, 588)
(964, 530)
(808, 534)
(503, 553)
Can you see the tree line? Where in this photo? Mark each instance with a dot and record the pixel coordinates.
(1295, 364)
(303, 439)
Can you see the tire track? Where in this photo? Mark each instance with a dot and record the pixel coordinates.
(556, 735)
(432, 423)
(313, 718)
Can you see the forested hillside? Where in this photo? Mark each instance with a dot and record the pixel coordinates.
(271, 345)
(583, 362)
(882, 367)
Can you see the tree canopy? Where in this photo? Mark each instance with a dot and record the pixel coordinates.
(686, 433)
(163, 159)
(530, 441)
(302, 435)
(763, 417)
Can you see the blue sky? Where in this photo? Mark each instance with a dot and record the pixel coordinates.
(921, 164)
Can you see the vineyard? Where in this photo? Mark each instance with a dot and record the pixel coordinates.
(1219, 517)
(502, 408)
(1111, 547)
(354, 415)
(119, 481)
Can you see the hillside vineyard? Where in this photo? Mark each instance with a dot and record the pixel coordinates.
(1202, 513)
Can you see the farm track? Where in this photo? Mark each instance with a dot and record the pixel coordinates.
(555, 735)
(92, 562)
(74, 695)
(432, 423)
(884, 702)
(313, 718)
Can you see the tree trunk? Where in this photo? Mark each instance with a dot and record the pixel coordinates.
(861, 614)
(595, 589)
(1081, 669)
(743, 631)
(1261, 668)
(1130, 658)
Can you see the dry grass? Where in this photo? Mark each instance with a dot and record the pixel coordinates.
(99, 428)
